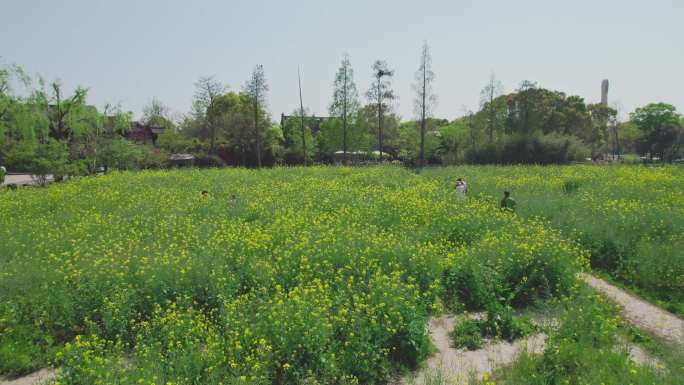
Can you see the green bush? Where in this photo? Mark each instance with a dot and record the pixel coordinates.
(499, 323)
(23, 349)
(121, 154)
(468, 335)
(40, 159)
(206, 160)
(531, 149)
(154, 158)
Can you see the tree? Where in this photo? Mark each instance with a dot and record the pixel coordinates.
(660, 124)
(390, 127)
(380, 94)
(18, 119)
(425, 98)
(655, 115)
(40, 159)
(63, 114)
(332, 135)
(487, 97)
(298, 138)
(596, 134)
(345, 102)
(158, 115)
(256, 88)
(453, 141)
(207, 90)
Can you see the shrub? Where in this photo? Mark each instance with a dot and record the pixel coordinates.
(571, 185)
(22, 349)
(121, 154)
(468, 335)
(535, 149)
(500, 323)
(154, 158)
(40, 159)
(208, 160)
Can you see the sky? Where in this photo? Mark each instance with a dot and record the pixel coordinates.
(128, 52)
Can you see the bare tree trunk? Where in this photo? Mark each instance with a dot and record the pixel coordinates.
(212, 140)
(344, 119)
(379, 119)
(422, 116)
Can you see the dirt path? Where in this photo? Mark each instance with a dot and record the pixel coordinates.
(43, 376)
(640, 313)
(458, 365)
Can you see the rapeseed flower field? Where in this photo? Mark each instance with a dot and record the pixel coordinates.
(298, 275)
(629, 218)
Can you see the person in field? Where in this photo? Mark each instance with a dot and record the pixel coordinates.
(508, 203)
(205, 193)
(461, 187)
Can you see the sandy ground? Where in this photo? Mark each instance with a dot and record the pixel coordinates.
(43, 376)
(458, 365)
(640, 313)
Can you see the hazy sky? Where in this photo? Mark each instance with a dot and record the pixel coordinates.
(128, 51)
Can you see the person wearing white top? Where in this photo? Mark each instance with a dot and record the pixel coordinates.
(461, 187)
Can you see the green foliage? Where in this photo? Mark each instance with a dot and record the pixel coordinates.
(23, 349)
(154, 158)
(661, 126)
(331, 136)
(626, 217)
(409, 139)
(512, 267)
(585, 350)
(120, 154)
(293, 141)
(655, 115)
(468, 335)
(40, 159)
(500, 322)
(537, 149)
(174, 142)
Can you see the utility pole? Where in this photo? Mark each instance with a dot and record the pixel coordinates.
(301, 114)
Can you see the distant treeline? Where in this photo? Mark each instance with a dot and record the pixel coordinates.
(44, 130)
